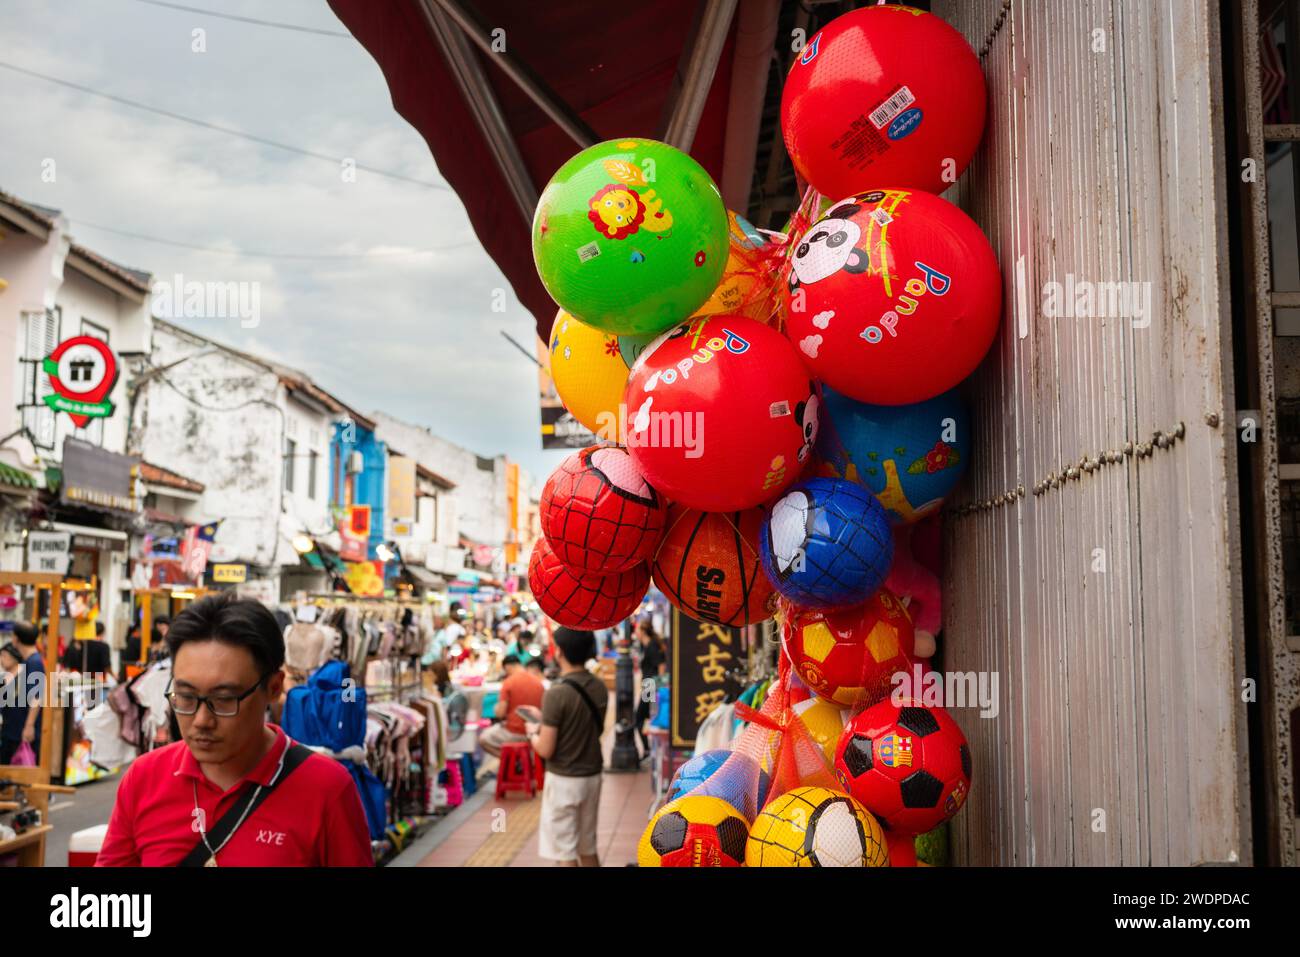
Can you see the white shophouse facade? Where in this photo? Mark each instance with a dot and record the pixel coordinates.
(54, 289)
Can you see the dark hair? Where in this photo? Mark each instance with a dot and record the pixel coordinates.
(162, 620)
(12, 649)
(441, 674)
(510, 660)
(99, 628)
(234, 621)
(534, 662)
(576, 646)
(25, 633)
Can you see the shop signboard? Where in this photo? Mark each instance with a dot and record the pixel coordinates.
(560, 430)
(704, 657)
(366, 578)
(95, 476)
(49, 551)
(401, 496)
(229, 574)
(82, 371)
(98, 543)
(359, 521)
(354, 533)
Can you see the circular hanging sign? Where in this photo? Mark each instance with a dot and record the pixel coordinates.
(82, 371)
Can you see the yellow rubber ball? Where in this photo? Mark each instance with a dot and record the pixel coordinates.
(825, 723)
(589, 374)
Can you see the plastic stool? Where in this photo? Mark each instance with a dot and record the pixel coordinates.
(468, 774)
(455, 787)
(539, 768)
(518, 769)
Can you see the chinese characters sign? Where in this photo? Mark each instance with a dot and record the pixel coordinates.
(707, 659)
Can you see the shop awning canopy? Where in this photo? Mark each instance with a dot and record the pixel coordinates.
(16, 480)
(504, 92)
(430, 581)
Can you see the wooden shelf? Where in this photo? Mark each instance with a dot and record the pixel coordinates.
(30, 836)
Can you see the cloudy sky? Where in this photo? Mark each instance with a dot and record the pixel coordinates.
(377, 288)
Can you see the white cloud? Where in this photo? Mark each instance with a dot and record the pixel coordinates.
(409, 328)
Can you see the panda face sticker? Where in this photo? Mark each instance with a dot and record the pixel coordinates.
(829, 246)
(807, 414)
(790, 527)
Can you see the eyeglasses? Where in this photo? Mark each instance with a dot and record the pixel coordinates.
(221, 705)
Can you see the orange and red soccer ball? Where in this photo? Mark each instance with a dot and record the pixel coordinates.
(599, 514)
(908, 764)
(582, 600)
(849, 655)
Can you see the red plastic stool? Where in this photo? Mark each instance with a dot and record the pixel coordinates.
(539, 768)
(518, 769)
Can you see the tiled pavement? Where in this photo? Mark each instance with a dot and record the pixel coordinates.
(501, 833)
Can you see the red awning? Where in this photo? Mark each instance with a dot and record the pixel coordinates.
(612, 65)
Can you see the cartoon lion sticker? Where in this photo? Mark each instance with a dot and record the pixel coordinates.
(618, 210)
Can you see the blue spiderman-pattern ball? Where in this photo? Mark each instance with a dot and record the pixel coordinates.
(695, 772)
(827, 543)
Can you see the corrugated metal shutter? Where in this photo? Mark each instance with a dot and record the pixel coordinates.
(1093, 566)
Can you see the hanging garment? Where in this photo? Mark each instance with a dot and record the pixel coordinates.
(128, 712)
(306, 647)
(328, 710)
(374, 798)
(103, 728)
(716, 730)
(150, 692)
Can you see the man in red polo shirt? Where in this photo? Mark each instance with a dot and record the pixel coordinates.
(236, 792)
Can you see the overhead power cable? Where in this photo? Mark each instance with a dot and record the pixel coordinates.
(337, 161)
(253, 254)
(253, 20)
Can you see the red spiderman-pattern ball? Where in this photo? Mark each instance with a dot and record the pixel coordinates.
(908, 764)
(578, 599)
(599, 514)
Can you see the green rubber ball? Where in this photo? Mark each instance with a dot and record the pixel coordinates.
(630, 236)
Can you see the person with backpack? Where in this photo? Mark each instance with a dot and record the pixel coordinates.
(568, 739)
(235, 791)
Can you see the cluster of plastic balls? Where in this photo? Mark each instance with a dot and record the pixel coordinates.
(780, 424)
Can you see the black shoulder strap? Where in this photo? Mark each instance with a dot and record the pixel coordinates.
(198, 856)
(591, 705)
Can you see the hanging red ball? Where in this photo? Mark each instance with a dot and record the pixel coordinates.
(907, 763)
(722, 414)
(893, 297)
(599, 514)
(582, 600)
(883, 95)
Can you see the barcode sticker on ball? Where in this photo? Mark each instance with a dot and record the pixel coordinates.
(892, 107)
(778, 409)
(881, 217)
(588, 252)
